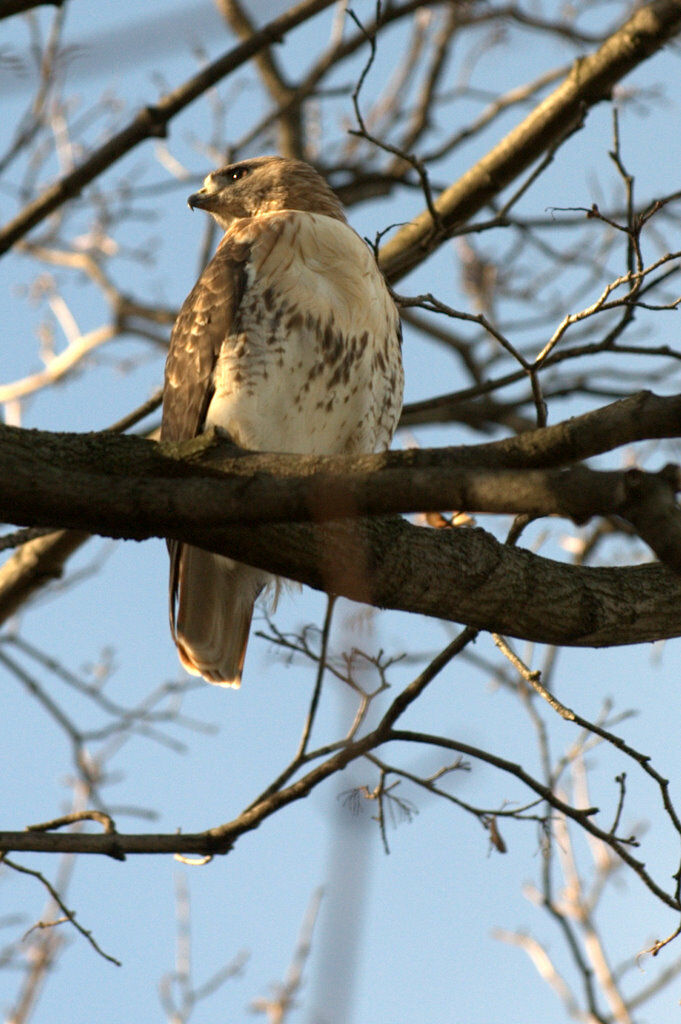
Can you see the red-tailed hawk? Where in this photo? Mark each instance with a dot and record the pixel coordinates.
(290, 342)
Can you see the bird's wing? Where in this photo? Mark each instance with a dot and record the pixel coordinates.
(203, 324)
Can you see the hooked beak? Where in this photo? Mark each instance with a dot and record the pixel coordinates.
(203, 200)
(200, 200)
(210, 199)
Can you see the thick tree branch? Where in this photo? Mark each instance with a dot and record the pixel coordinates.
(591, 80)
(42, 560)
(127, 487)
(51, 480)
(462, 575)
(639, 417)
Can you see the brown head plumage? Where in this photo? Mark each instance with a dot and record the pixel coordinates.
(264, 185)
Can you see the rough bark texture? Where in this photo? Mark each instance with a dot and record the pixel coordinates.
(129, 488)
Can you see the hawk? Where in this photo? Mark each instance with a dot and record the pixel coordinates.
(290, 342)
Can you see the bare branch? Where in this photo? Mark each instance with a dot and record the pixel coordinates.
(152, 121)
(289, 123)
(69, 915)
(590, 81)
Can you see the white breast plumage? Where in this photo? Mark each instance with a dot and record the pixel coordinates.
(313, 360)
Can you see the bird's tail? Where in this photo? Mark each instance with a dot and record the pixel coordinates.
(211, 605)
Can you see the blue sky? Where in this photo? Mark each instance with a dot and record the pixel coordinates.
(402, 937)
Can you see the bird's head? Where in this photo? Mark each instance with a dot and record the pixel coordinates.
(263, 185)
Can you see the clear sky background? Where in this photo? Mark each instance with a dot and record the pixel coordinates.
(402, 937)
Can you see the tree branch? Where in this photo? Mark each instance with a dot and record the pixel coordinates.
(51, 480)
(219, 840)
(34, 565)
(591, 80)
(152, 121)
(127, 487)
(290, 134)
(40, 561)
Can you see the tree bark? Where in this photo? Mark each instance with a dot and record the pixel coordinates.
(127, 487)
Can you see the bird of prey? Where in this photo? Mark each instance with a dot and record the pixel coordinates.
(289, 342)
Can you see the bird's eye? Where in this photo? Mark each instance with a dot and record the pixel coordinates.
(237, 173)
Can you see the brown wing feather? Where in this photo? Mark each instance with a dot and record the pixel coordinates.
(202, 325)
